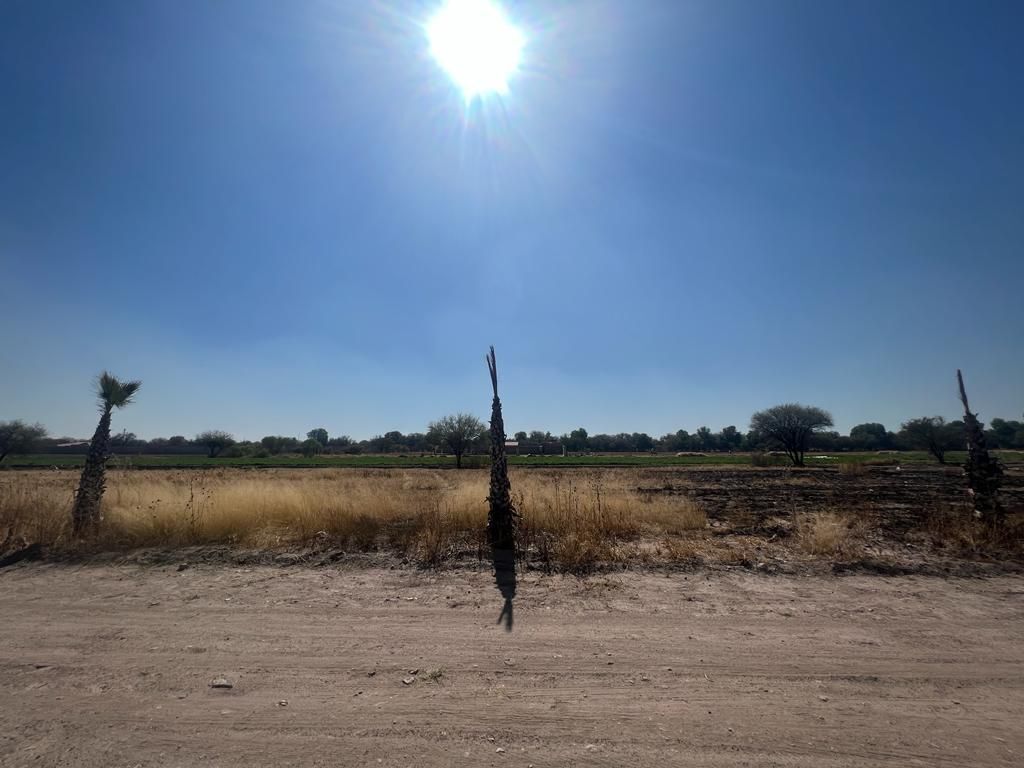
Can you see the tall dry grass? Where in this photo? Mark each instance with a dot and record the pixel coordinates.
(853, 469)
(571, 520)
(955, 527)
(828, 534)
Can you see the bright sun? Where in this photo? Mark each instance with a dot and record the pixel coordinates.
(476, 45)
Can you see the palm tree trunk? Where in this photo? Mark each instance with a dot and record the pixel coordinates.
(984, 473)
(502, 516)
(85, 515)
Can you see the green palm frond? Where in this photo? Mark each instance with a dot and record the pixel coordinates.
(115, 393)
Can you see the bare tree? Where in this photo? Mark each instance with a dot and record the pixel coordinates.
(791, 426)
(457, 432)
(17, 437)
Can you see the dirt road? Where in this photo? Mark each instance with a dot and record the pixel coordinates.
(111, 666)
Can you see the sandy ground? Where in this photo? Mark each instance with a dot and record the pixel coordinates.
(111, 666)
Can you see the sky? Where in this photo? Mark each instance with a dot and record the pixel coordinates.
(282, 216)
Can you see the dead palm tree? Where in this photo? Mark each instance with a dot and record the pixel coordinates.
(984, 473)
(502, 518)
(112, 393)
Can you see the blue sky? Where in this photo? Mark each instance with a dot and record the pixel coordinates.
(283, 215)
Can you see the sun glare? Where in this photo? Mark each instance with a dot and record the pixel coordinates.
(476, 45)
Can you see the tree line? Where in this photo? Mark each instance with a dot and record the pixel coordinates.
(930, 433)
(792, 427)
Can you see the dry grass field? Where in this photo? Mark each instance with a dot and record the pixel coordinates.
(572, 520)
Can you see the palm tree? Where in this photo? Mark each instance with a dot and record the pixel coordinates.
(984, 473)
(502, 517)
(112, 393)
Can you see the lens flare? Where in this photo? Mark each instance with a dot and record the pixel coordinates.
(474, 42)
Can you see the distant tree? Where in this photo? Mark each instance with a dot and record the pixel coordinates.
(243, 449)
(319, 434)
(791, 425)
(932, 434)
(457, 433)
(310, 447)
(829, 440)
(705, 439)
(215, 441)
(276, 444)
(177, 441)
(123, 439)
(17, 437)
(416, 441)
(642, 442)
(871, 436)
(576, 440)
(536, 436)
(683, 441)
(112, 393)
(390, 442)
(521, 437)
(1005, 434)
(619, 443)
(730, 439)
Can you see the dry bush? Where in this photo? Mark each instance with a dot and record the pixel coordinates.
(853, 469)
(826, 533)
(763, 459)
(957, 528)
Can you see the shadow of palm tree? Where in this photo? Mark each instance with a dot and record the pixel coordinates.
(504, 561)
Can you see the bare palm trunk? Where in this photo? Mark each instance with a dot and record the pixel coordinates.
(85, 515)
(984, 474)
(502, 518)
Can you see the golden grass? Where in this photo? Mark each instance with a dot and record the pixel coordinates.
(955, 527)
(574, 520)
(570, 519)
(826, 533)
(853, 468)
